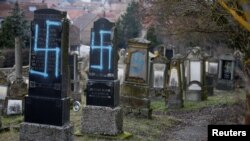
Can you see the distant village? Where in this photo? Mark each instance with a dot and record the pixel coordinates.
(82, 13)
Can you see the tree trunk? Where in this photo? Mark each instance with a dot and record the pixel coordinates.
(18, 59)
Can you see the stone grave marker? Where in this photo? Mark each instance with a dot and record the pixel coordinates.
(195, 90)
(226, 72)
(47, 104)
(175, 84)
(211, 74)
(102, 114)
(239, 74)
(159, 73)
(135, 90)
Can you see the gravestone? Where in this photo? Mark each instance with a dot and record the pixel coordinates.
(102, 100)
(195, 90)
(175, 84)
(46, 115)
(159, 73)
(226, 72)
(239, 74)
(211, 74)
(135, 89)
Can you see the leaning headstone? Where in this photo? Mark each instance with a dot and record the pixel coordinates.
(135, 90)
(102, 114)
(47, 108)
(195, 90)
(175, 84)
(226, 72)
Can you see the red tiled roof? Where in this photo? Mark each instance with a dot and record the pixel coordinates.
(6, 9)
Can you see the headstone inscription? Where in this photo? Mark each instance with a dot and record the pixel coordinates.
(47, 105)
(48, 74)
(226, 72)
(102, 99)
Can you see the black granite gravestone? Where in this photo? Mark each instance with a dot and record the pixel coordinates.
(103, 56)
(103, 86)
(48, 101)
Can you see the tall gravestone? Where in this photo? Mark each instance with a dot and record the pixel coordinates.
(196, 90)
(226, 72)
(159, 73)
(135, 90)
(175, 83)
(47, 106)
(102, 114)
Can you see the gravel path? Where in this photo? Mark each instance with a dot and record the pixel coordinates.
(193, 125)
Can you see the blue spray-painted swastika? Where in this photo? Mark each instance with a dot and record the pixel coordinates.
(46, 50)
(101, 47)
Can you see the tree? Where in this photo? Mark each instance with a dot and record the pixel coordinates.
(128, 25)
(14, 26)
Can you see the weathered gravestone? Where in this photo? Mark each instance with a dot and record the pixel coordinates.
(211, 74)
(175, 84)
(135, 89)
(102, 114)
(226, 72)
(195, 90)
(159, 73)
(47, 106)
(239, 74)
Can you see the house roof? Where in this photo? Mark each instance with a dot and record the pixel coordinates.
(84, 20)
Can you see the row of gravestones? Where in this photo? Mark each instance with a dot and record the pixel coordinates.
(187, 75)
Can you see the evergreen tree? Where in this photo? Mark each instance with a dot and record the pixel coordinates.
(151, 36)
(128, 25)
(14, 26)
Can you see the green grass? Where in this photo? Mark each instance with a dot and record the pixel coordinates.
(12, 120)
(141, 129)
(220, 98)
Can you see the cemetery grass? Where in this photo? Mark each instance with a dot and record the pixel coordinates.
(140, 128)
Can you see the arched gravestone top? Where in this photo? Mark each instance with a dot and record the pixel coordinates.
(61, 14)
(195, 54)
(140, 40)
(178, 56)
(227, 57)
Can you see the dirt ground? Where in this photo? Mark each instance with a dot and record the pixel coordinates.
(193, 125)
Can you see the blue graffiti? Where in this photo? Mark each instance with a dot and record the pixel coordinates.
(47, 49)
(101, 47)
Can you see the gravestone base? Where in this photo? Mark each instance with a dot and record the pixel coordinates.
(174, 101)
(43, 132)
(225, 85)
(137, 106)
(193, 95)
(102, 120)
